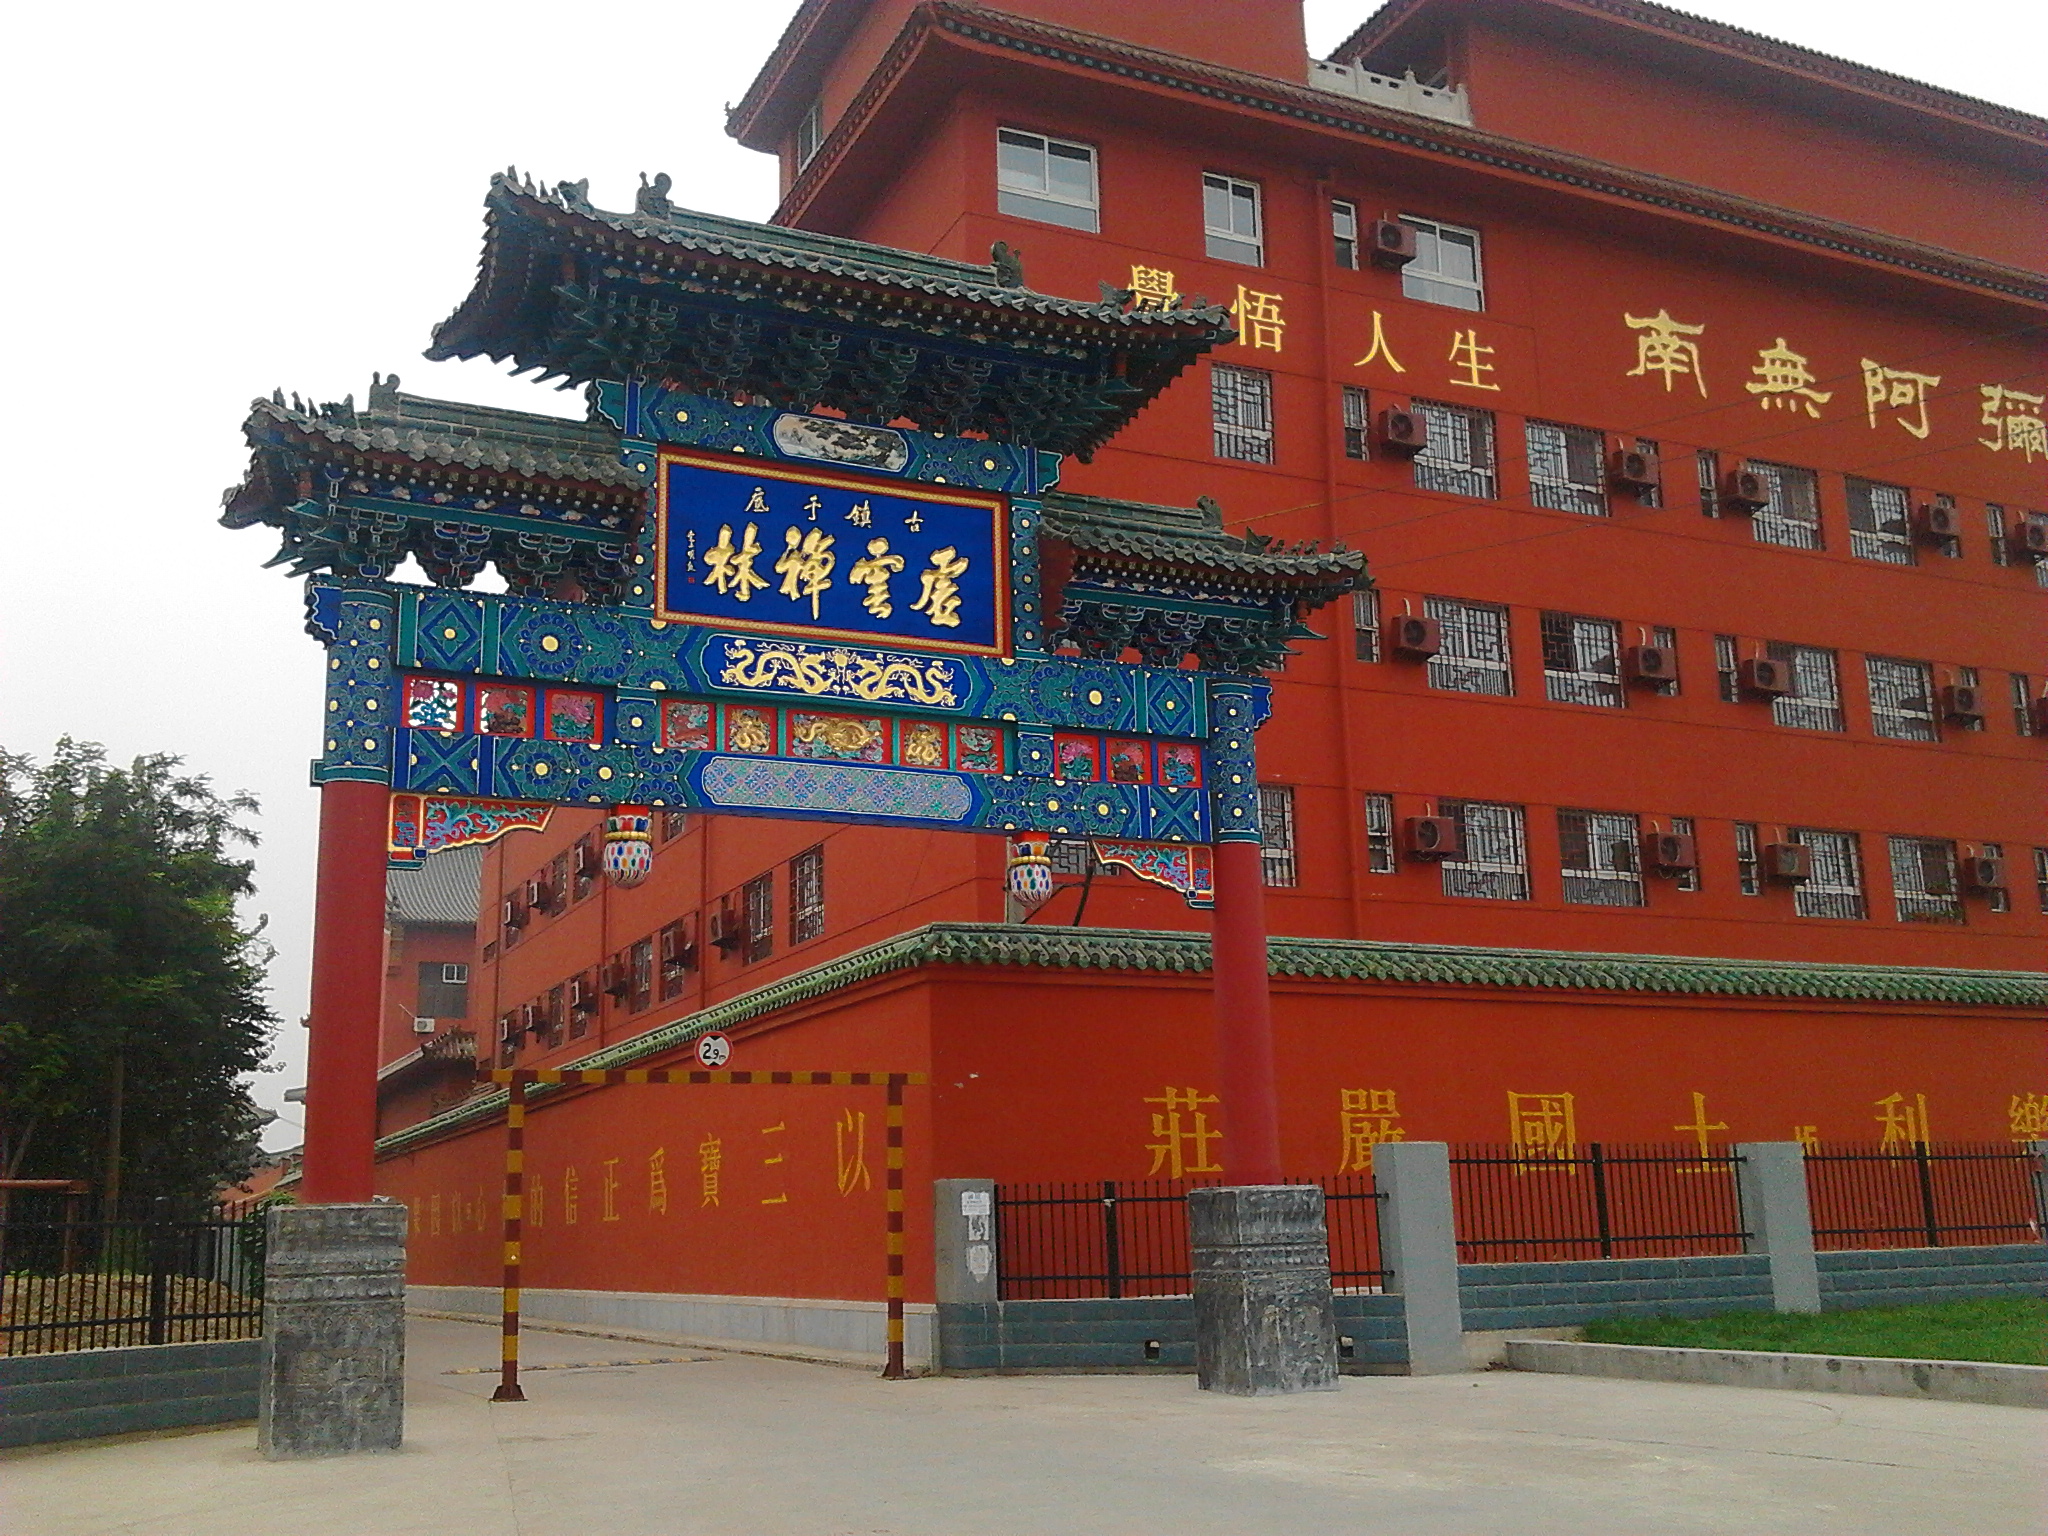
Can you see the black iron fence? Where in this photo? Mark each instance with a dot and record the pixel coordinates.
(1129, 1237)
(74, 1276)
(1602, 1201)
(1923, 1195)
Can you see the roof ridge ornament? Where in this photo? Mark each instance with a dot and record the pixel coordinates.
(652, 198)
(1008, 262)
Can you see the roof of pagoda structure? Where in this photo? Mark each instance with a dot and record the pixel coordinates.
(726, 307)
(1193, 543)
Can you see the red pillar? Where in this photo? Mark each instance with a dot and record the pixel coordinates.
(348, 994)
(1244, 1018)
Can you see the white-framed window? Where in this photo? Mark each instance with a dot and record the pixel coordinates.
(1357, 412)
(1565, 469)
(1241, 412)
(1459, 458)
(1344, 233)
(810, 133)
(1582, 660)
(1728, 669)
(455, 974)
(1446, 268)
(1880, 522)
(1233, 223)
(807, 895)
(1686, 879)
(1817, 703)
(1276, 835)
(1047, 179)
(1600, 859)
(1835, 888)
(2022, 703)
(1380, 857)
(1365, 623)
(1496, 862)
(1791, 516)
(1749, 878)
(1924, 885)
(1707, 464)
(1475, 656)
(1901, 698)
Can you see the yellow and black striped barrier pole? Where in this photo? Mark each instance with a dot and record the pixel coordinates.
(515, 1216)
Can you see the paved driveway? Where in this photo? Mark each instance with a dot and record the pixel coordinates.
(741, 1446)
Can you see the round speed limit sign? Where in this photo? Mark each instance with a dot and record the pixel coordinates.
(714, 1050)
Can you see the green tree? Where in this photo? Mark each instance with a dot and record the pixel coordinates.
(131, 995)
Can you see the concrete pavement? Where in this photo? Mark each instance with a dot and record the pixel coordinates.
(731, 1445)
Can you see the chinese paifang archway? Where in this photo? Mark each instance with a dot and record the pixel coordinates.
(806, 557)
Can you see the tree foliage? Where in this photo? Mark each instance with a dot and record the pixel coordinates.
(122, 954)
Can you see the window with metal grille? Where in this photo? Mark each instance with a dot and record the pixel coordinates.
(1817, 705)
(1835, 888)
(1379, 835)
(1459, 458)
(1276, 835)
(558, 881)
(1357, 405)
(757, 899)
(1241, 412)
(1231, 221)
(2041, 878)
(810, 133)
(1474, 657)
(1654, 495)
(1599, 858)
(2022, 703)
(1728, 669)
(1496, 861)
(1792, 514)
(1365, 623)
(1050, 180)
(641, 959)
(676, 942)
(1344, 233)
(1748, 876)
(1582, 660)
(1999, 898)
(1686, 879)
(1924, 880)
(1901, 698)
(1068, 855)
(1880, 522)
(555, 1013)
(1708, 465)
(1446, 268)
(807, 895)
(1994, 524)
(673, 824)
(442, 995)
(1565, 472)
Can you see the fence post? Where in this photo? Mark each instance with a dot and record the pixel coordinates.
(1112, 1241)
(2040, 1173)
(1770, 1182)
(964, 1271)
(1600, 1212)
(1419, 1246)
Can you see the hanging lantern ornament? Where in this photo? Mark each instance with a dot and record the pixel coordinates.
(628, 845)
(1030, 871)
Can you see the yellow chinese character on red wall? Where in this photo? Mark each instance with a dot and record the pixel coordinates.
(1152, 288)
(1259, 322)
(1379, 348)
(850, 1150)
(2014, 418)
(1885, 388)
(1666, 347)
(1904, 1121)
(1181, 1134)
(2029, 1116)
(710, 1159)
(1782, 378)
(1469, 356)
(1543, 1125)
(1366, 1117)
(657, 1181)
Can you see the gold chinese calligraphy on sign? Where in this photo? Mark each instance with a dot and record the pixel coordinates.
(1182, 1140)
(1668, 348)
(1543, 1126)
(1259, 322)
(1782, 378)
(1888, 388)
(2015, 420)
(1366, 1118)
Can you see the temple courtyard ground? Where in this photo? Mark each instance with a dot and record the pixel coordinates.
(742, 1446)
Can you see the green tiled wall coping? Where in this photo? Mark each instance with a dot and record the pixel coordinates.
(1156, 952)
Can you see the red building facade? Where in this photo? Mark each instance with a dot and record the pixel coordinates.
(1685, 392)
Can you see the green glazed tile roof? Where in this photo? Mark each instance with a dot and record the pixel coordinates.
(1195, 537)
(1155, 952)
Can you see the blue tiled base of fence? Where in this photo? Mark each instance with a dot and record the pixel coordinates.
(1112, 1335)
(1898, 1277)
(1570, 1292)
(92, 1392)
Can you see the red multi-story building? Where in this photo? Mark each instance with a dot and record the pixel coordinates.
(1680, 773)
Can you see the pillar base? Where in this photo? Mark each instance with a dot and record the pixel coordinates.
(333, 1331)
(1264, 1321)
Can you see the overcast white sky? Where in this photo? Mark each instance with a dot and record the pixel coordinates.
(213, 200)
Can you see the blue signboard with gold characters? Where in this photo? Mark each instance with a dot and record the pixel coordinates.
(747, 544)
